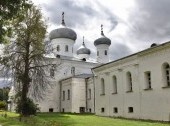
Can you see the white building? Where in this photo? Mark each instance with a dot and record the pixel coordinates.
(136, 86)
(73, 78)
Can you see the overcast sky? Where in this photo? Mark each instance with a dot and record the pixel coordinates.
(132, 25)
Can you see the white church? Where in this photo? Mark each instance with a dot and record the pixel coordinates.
(136, 86)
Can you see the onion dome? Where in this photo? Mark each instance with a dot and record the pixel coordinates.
(103, 39)
(83, 49)
(63, 32)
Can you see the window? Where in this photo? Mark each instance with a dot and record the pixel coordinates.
(166, 74)
(114, 80)
(66, 48)
(73, 70)
(63, 95)
(115, 110)
(105, 52)
(97, 53)
(52, 73)
(129, 81)
(102, 109)
(102, 87)
(130, 109)
(148, 79)
(89, 93)
(90, 110)
(58, 48)
(50, 109)
(68, 94)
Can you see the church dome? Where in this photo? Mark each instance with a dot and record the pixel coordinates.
(103, 39)
(83, 49)
(63, 32)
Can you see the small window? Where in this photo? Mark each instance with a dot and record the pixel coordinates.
(58, 48)
(63, 110)
(102, 87)
(115, 110)
(129, 81)
(148, 79)
(97, 53)
(114, 80)
(63, 95)
(105, 52)
(90, 110)
(130, 109)
(50, 109)
(68, 94)
(66, 48)
(52, 73)
(89, 93)
(102, 109)
(73, 70)
(166, 74)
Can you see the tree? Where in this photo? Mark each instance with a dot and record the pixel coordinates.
(25, 57)
(9, 10)
(4, 94)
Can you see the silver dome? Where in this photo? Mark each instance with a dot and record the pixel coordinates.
(83, 51)
(102, 40)
(63, 32)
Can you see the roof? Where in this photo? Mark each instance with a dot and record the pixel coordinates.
(140, 52)
(84, 76)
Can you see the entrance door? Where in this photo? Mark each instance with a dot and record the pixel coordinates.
(82, 109)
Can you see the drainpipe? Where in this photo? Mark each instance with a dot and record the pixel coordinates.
(86, 93)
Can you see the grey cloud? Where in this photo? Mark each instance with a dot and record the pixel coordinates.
(74, 14)
(151, 21)
(118, 50)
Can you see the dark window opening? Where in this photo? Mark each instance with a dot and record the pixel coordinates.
(90, 110)
(63, 110)
(130, 109)
(115, 110)
(82, 109)
(105, 52)
(66, 48)
(50, 109)
(102, 109)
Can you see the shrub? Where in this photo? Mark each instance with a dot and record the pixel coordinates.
(3, 105)
(29, 105)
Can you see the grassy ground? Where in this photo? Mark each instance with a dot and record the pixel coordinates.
(55, 119)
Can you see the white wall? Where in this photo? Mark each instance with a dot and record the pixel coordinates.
(147, 104)
(102, 58)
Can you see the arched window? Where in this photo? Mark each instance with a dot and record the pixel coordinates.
(129, 81)
(73, 70)
(52, 72)
(102, 87)
(97, 53)
(68, 95)
(114, 84)
(89, 93)
(166, 74)
(58, 48)
(66, 48)
(105, 52)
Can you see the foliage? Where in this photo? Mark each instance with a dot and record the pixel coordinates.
(3, 105)
(29, 105)
(24, 57)
(4, 94)
(9, 10)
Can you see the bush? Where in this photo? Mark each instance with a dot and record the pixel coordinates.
(3, 105)
(29, 106)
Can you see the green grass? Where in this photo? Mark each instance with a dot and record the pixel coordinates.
(56, 119)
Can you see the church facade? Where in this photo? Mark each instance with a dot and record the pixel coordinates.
(136, 86)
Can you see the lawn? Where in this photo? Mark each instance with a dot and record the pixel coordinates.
(56, 119)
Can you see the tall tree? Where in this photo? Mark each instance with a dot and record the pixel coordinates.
(25, 56)
(9, 10)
